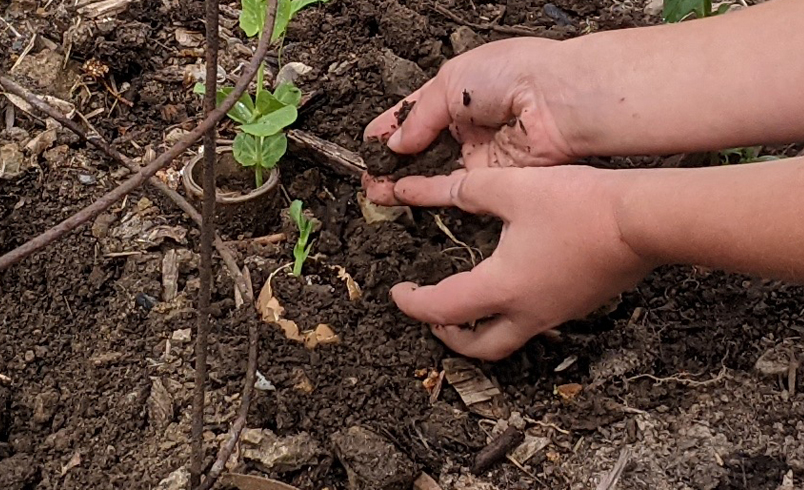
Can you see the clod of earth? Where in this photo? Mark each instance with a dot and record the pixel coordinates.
(371, 461)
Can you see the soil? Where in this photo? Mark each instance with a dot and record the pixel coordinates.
(99, 354)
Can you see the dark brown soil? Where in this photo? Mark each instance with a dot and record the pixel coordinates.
(95, 355)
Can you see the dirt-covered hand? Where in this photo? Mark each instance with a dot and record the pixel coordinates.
(560, 255)
(497, 100)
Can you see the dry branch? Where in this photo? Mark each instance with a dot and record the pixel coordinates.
(334, 156)
(207, 232)
(100, 143)
(148, 171)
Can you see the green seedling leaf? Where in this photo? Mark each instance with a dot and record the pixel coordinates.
(288, 94)
(678, 10)
(250, 151)
(268, 103)
(245, 150)
(297, 5)
(252, 16)
(242, 111)
(723, 8)
(272, 150)
(295, 212)
(302, 249)
(283, 14)
(272, 123)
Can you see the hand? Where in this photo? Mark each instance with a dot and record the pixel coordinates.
(495, 99)
(560, 255)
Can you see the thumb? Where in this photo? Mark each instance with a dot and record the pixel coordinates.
(428, 116)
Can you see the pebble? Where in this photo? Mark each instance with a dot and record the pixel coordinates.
(29, 356)
(464, 39)
(86, 179)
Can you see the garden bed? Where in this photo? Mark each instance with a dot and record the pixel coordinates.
(96, 352)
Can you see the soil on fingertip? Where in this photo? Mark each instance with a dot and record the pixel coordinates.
(96, 331)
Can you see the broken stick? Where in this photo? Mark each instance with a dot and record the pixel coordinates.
(497, 449)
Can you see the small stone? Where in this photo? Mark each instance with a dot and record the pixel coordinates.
(29, 356)
(86, 179)
(360, 451)
(177, 480)
(465, 39)
(182, 336)
(100, 228)
(516, 420)
(400, 76)
(654, 7)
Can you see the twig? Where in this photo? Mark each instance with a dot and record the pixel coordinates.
(209, 195)
(497, 449)
(240, 422)
(100, 143)
(513, 30)
(330, 154)
(135, 181)
(207, 232)
(678, 378)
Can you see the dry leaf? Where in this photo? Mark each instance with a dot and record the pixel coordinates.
(323, 334)
(376, 214)
(430, 382)
(569, 391)
(251, 482)
(355, 292)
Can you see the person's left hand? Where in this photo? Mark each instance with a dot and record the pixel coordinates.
(560, 255)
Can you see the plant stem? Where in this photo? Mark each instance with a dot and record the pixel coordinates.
(260, 79)
(258, 175)
(297, 267)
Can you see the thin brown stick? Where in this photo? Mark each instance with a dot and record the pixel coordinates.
(512, 30)
(240, 422)
(135, 181)
(207, 233)
(100, 143)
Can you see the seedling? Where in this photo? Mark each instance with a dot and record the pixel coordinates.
(678, 10)
(302, 248)
(260, 141)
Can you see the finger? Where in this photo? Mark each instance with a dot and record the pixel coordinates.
(429, 116)
(461, 298)
(386, 124)
(379, 190)
(490, 340)
(480, 191)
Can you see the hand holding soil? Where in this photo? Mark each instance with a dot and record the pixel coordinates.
(575, 237)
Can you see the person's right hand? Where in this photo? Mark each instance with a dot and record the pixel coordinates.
(500, 101)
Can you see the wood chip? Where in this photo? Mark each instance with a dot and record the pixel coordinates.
(339, 159)
(475, 389)
(569, 391)
(170, 276)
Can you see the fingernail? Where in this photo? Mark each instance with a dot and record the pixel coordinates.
(395, 140)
